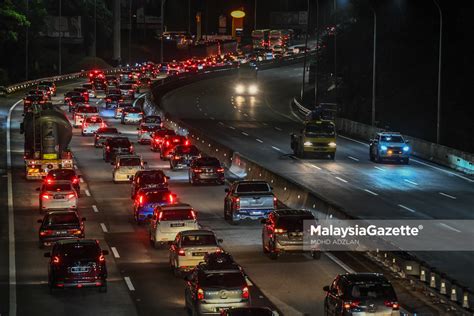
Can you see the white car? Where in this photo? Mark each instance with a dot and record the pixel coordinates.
(90, 89)
(168, 220)
(91, 125)
(82, 112)
(125, 167)
(57, 195)
(189, 248)
(119, 109)
(145, 132)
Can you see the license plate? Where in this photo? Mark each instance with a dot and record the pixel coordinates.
(256, 213)
(221, 309)
(79, 269)
(61, 232)
(177, 225)
(199, 254)
(59, 197)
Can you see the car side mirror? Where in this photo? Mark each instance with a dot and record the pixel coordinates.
(167, 177)
(47, 254)
(37, 189)
(40, 221)
(83, 219)
(220, 240)
(145, 162)
(138, 128)
(407, 142)
(326, 288)
(226, 190)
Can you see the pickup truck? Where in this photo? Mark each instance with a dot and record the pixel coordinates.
(248, 200)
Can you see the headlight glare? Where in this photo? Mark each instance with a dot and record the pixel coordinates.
(332, 144)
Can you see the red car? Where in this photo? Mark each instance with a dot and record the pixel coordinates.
(169, 142)
(96, 74)
(158, 137)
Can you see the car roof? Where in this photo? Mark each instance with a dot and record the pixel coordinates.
(365, 278)
(390, 133)
(291, 212)
(128, 156)
(62, 182)
(197, 232)
(178, 206)
(61, 212)
(77, 241)
(250, 182)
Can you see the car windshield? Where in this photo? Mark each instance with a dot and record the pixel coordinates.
(61, 219)
(57, 187)
(371, 291)
(208, 162)
(108, 130)
(62, 174)
(293, 223)
(94, 120)
(156, 120)
(156, 197)
(177, 215)
(76, 251)
(120, 142)
(147, 178)
(198, 240)
(391, 139)
(323, 129)
(253, 187)
(125, 86)
(87, 109)
(222, 279)
(187, 150)
(130, 162)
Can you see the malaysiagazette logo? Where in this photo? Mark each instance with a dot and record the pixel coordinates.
(370, 230)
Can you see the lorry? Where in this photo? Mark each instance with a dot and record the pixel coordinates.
(317, 137)
(47, 136)
(246, 83)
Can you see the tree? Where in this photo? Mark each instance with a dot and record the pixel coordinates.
(11, 22)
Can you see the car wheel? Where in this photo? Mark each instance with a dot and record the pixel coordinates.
(264, 249)
(272, 252)
(226, 215)
(332, 156)
(103, 288)
(378, 159)
(316, 255)
(50, 286)
(406, 161)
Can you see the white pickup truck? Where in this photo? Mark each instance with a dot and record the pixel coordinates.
(249, 200)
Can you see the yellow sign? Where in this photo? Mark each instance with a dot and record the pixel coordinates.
(50, 156)
(237, 14)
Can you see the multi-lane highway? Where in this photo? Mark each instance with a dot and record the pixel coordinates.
(259, 127)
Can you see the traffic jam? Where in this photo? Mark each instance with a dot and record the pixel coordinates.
(100, 111)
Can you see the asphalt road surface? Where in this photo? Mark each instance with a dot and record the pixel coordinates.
(259, 127)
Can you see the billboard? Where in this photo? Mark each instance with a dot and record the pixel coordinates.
(70, 27)
(291, 19)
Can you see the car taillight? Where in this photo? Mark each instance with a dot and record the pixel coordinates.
(176, 157)
(351, 304)
(74, 231)
(275, 202)
(108, 100)
(393, 304)
(279, 231)
(160, 216)
(200, 294)
(56, 260)
(46, 232)
(75, 180)
(245, 293)
(220, 170)
(193, 214)
(186, 143)
(131, 148)
(49, 180)
(197, 170)
(140, 200)
(236, 201)
(181, 252)
(102, 125)
(167, 143)
(108, 147)
(171, 199)
(46, 196)
(101, 258)
(70, 196)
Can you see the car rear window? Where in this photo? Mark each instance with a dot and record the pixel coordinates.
(177, 215)
(79, 251)
(62, 174)
(58, 187)
(130, 161)
(87, 109)
(94, 120)
(208, 162)
(120, 142)
(253, 187)
(156, 197)
(371, 291)
(391, 139)
(293, 223)
(188, 150)
(152, 120)
(222, 279)
(125, 86)
(198, 240)
(61, 219)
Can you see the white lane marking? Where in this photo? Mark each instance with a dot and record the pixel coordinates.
(339, 262)
(411, 182)
(264, 123)
(220, 123)
(104, 228)
(276, 148)
(245, 114)
(406, 208)
(249, 283)
(96, 210)
(244, 133)
(129, 283)
(353, 158)
(81, 180)
(259, 140)
(75, 167)
(212, 118)
(115, 252)
(314, 166)
(87, 192)
(11, 219)
(278, 129)
(231, 127)
(341, 179)
(378, 168)
(449, 227)
(371, 192)
(200, 109)
(417, 161)
(447, 195)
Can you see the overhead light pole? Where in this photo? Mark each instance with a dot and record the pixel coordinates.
(438, 115)
(316, 70)
(255, 16)
(305, 50)
(26, 41)
(162, 29)
(130, 32)
(59, 41)
(374, 63)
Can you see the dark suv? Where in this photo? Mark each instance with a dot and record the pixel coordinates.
(148, 179)
(282, 232)
(58, 225)
(64, 174)
(181, 156)
(216, 285)
(206, 169)
(116, 146)
(77, 263)
(361, 294)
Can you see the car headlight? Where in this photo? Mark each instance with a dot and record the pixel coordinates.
(308, 144)
(406, 148)
(253, 89)
(240, 88)
(332, 144)
(383, 147)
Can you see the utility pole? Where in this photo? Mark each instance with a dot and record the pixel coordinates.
(26, 41)
(305, 51)
(162, 29)
(130, 33)
(94, 48)
(255, 16)
(116, 36)
(59, 51)
(316, 82)
(438, 115)
(374, 64)
(335, 50)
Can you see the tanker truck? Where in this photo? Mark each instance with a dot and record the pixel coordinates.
(47, 136)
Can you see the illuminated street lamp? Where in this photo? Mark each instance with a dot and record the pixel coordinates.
(237, 21)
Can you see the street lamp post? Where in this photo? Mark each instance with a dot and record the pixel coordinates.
(59, 49)
(305, 51)
(26, 42)
(316, 70)
(374, 67)
(162, 29)
(438, 115)
(255, 16)
(130, 32)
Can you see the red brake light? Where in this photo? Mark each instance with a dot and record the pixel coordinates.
(171, 198)
(75, 180)
(131, 147)
(56, 259)
(108, 148)
(186, 143)
(70, 196)
(200, 294)
(45, 196)
(245, 293)
(101, 258)
(275, 202)
(392, 304)
(140, 200)
(46, 232)
(181, 252)
(197, 170)
(351, 304)
(193, 214)
(49, 180)
(176, 157)
(160, 216)
(167, 143)
(220, 170)
(236, 202)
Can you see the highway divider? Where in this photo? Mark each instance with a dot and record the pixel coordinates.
(442, 155)
(415, 274)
